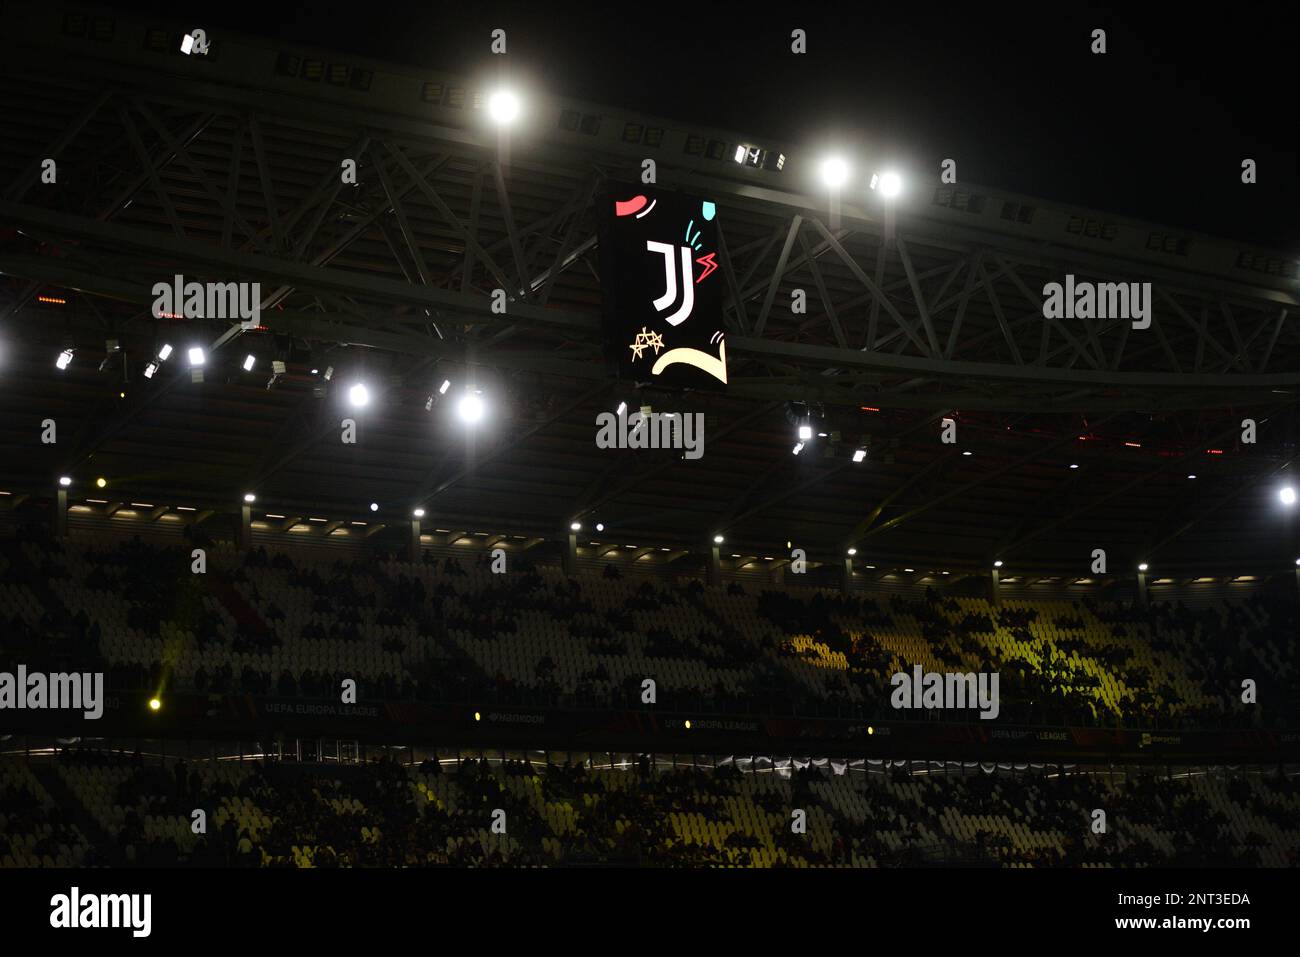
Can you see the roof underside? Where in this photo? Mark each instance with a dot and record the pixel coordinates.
(163, 172)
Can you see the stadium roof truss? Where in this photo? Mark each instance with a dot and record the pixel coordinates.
(229, 170)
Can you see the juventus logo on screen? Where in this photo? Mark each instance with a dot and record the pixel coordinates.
(662, 299)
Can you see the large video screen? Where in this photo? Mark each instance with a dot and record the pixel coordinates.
(662, 286)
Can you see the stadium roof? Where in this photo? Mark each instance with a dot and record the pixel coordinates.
(226, 167)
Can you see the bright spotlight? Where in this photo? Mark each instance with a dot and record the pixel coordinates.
(154, 704)
(64, 359)
(150, 369)
(622, 408)
(197, 358)
(470, 408)
(250, 498)
(250, 360)
(600, 526)
(998, 563)
(503, 107)
(418, 513)
(1143, 567)
(852, 552)
(65, 480)
(835, 172)
(374, 506)
(798, 447)
(860, 455)
(805, 433)
(101, 482)
(1074, 465)
(717, 539)
(165, 351)
(1287, 495)
(442, 389)
(575, 526)
(891, 184)
(1192, 476)
(359, 395)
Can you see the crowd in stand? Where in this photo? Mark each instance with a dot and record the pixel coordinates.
(376, 814)
(1255, 638)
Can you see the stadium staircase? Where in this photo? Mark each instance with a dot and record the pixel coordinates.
(243, 613)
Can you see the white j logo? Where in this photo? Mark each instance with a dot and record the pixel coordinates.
(670, 279)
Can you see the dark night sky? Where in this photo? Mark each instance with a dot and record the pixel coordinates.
(1156, 128)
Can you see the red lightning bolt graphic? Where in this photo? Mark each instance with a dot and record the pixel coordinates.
(708, 264)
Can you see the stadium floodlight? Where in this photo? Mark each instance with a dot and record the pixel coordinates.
(575, 526)
(890, 185)
(250, 498)
(64, 359)
(442, 389)
(718, 539)
(998, 563)
(835, 172)
(150, 369)
(805, 433)
(470, 408)
(359, 395)
(165, 352)
(1287, 495)
(1143, 567)
(374, 506)
(250, 360)
(503, 107)
(418, 513)
(860, 455)
(852, 552)
(65, 480)
(197, 356)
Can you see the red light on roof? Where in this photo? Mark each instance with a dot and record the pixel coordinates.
(1214, 451)
(1134, 445)
(54, 299)
(869, 408)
